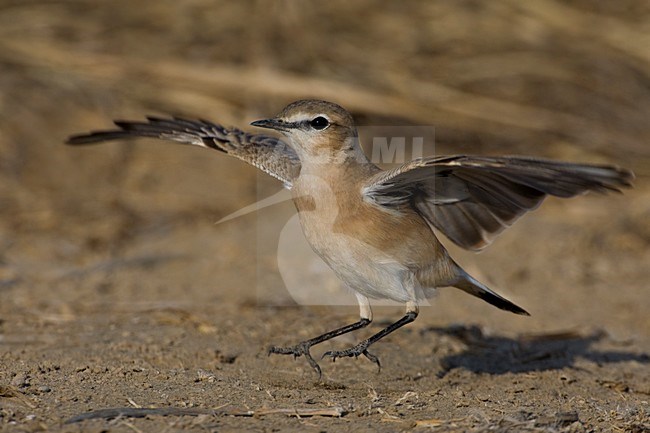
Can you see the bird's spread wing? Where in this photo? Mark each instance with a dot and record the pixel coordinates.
(269, 154)
(472, 199)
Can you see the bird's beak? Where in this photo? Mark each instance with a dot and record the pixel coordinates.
(276, 124)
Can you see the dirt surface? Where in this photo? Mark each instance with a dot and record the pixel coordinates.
(118, 290)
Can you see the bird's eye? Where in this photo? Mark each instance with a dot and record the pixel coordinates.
(319, 123)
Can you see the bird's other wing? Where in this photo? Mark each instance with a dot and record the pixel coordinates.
(269, 154)
(472, 199)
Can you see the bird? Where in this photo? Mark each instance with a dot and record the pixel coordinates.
(376, 228)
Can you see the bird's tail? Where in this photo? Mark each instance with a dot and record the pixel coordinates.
(468, 284)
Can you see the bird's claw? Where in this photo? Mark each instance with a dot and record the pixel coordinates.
(359, 349)
(300, 349)
(297, 350)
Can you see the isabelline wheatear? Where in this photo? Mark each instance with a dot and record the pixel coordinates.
(374, 228)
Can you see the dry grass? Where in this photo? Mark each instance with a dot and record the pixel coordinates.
(547, 78)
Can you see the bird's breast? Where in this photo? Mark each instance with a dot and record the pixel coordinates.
(340, 225)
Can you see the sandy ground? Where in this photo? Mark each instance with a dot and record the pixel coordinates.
(118, 290)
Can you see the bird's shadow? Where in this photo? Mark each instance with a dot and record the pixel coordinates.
(491, 354)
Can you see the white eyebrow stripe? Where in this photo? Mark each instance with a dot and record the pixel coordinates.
(300, 117)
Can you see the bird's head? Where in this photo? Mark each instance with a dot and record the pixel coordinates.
(315, 128)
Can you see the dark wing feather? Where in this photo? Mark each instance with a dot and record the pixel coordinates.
(269, 154)
(473, 199)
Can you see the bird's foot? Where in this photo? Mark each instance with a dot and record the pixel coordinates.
(359, 349)
(300, 349)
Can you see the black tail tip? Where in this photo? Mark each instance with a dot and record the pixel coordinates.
(509, 306)
(502, 303)
(520, 311)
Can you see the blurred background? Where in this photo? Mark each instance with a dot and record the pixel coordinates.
(126, 222)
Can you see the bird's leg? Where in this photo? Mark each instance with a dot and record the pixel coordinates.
(302, 348)
(362, 347)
